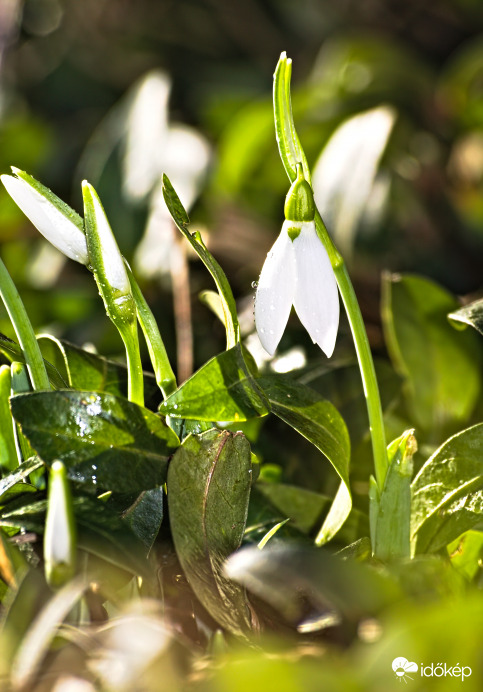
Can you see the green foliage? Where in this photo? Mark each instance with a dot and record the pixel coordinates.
(440, 366)
(209, 483)
(104, 441)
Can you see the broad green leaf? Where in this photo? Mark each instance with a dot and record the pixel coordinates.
(441, 367)
(100, 530)
(225, 390)
(447, 493)
(209, 481)
(8, 450)
(12, 351)
(221, 390)
(471, 314)
(391, 508)
(320, 423)
(181, 219)
(88, 371)
(104, 441)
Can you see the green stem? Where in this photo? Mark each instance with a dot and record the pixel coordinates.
(135, 383)
(363, 351)
(23, 330)
(157, 351)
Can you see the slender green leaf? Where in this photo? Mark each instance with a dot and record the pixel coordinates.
(181, 219)
(12, 351)
(104, 441)
(447, 493)
(291, 151)
(8, 450)
(209, 481)
(391, 509)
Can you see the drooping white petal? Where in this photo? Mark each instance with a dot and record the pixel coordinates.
(57, 228)
(316, 296)
(275, 291)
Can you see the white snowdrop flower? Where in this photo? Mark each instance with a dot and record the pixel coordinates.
(298, 272)
(55, 220)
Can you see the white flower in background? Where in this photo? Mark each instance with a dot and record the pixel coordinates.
(55, 220)
(155, 146)
(298, 272)
(348, 187)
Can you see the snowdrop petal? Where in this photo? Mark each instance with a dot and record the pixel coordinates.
(48, 218)
(316, 297)
(275, 292)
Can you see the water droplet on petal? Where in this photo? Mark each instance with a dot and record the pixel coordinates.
(254, 284)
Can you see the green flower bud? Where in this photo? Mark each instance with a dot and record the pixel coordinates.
(299, 203)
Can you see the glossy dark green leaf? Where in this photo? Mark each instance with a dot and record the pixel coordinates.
(104, 441)
(447, 493)
(13, 352)
(471, 315)
(440, 366)
(181, 219)
(222, 390)
(100, 530)
(209, 481)
(90, 372)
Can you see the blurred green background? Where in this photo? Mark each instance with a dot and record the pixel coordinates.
(390, 92)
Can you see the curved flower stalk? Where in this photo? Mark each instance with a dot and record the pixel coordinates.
(114, 286)
(298, 272)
